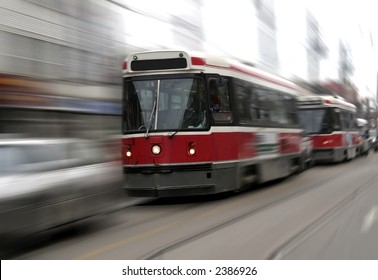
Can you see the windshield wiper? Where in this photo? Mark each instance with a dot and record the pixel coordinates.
(153, 112)
(171, 134)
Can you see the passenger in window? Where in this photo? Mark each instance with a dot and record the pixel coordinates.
(214, 103)
(214, 99)
(192, 116)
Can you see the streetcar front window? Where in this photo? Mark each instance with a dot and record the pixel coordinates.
(316, 121)
(164, 105)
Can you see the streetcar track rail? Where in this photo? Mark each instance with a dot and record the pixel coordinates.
(155, 254)
(323, 220)
(176, 244)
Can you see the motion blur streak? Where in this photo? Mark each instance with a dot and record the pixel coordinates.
(59, 115)
(61, 85)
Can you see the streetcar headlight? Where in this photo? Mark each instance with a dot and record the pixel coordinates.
(127, 150)
(192, 148)
(156, 149)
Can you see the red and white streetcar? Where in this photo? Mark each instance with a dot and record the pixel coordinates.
(195, 124)
(331, 124)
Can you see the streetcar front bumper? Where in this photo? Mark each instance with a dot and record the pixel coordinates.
(329, 155)
(178, 180)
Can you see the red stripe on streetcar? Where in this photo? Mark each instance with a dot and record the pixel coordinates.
(209, 148)
(328, 141)
(215, 147)
(289, 143)
(198, 61)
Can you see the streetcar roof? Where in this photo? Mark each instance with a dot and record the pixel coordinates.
(317, 101)
(172, 61)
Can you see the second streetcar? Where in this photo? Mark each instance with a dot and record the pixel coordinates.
(331, 124)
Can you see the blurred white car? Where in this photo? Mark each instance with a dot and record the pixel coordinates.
(363, 135)
(48, 183)
(373, 137)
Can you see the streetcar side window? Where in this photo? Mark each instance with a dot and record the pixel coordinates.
(243, 99)
(337, 120)
(291, 110)
(273, 108)
(219, 97)
(262, 106)
(347, 121)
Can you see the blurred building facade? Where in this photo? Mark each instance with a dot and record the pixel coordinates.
(77, 47)
(267, 33)
(59, 68)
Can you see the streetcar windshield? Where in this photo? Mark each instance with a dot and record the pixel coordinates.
(164, 104)
(316, 121)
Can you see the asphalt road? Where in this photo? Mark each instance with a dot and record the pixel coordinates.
(327, 212)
